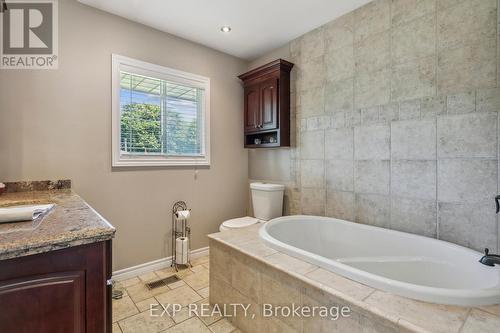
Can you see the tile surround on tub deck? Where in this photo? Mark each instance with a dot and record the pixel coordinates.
(373, 309)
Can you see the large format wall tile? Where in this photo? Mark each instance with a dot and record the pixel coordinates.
(471, 135)
(340, 32)
(461, 103)
(373, 209)
(372, 18)
(372, 177)
(339, 96)
(312, 173)
(312, 102)
(396, 114)
(467, 180)
(468, 67)
(372, 88)
(414, 79)
(461, 24)
(312, 145)
(471, 225)
(415, 179)
(312, 73)
(404, 11)
(414, 216)
(488, 100)
(339, 63)
(314, 43)
(413, 140)
(414, 40)
(339, 144)
(313, 201)
(340, 205)
(373, 53)
(372, 142)
(340, 175)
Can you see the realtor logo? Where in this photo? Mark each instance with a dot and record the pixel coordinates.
(29, 36)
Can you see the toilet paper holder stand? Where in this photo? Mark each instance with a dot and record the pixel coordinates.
(180, 228)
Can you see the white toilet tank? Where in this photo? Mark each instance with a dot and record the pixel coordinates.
(267, 200)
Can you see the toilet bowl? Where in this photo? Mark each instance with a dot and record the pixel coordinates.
(267, 201)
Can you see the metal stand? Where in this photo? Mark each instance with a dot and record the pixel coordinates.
(180, 228)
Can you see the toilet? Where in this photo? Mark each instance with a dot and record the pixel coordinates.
(267, 201)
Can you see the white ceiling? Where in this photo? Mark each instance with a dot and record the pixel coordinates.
(258, 26)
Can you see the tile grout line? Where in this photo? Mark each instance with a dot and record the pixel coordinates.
(436, 92)
(498, 116)
(352, 125)
(391, 32)
(465, 320)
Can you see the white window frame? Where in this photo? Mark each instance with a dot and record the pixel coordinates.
(134, 66)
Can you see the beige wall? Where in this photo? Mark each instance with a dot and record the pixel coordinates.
(57, 124)
(397, 119)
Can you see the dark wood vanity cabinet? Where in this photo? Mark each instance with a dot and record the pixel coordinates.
(267, 105)
(59, 291)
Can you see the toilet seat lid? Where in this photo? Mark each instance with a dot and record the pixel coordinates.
(240, 222)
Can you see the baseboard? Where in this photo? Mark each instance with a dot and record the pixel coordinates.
(154, 265)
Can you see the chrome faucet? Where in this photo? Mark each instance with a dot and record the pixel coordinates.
(490, 259)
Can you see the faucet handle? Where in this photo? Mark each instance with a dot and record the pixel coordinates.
(486, 251)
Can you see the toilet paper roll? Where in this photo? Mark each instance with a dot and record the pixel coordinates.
(181, 250)
(183, 214)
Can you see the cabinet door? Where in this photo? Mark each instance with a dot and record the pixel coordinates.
(252, 110)
(45, 303)
(269, 104)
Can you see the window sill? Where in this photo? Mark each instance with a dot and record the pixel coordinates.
(160, 162)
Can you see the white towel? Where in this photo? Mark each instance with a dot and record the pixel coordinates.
(23, 213)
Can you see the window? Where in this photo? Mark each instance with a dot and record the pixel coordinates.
(161, 116)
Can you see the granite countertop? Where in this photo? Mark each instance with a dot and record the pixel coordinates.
(70, 223)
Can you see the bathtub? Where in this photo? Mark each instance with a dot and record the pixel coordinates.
(408, 265)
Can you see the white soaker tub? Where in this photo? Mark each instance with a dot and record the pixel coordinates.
(413, 266)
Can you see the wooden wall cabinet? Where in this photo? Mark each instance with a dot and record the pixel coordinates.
(267, 105)
(59, 291)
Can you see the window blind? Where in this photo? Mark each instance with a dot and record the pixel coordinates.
(159, 117)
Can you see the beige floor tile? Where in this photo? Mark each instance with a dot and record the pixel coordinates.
(205, 311)
(182, 315)
(123, 308)
(148, 277)
(166, 272)
(198, 280)
(222, 326)
(146, 304)
(116, 328)
(129, 282)
(200, 260)
(145, 323)
(480, 321)
(207, 265)
(198, 268)
(183, 295)
(189, 326)
(139, 292)
(204, 292)
(494, 309)
(177, 284)
(184, 272)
